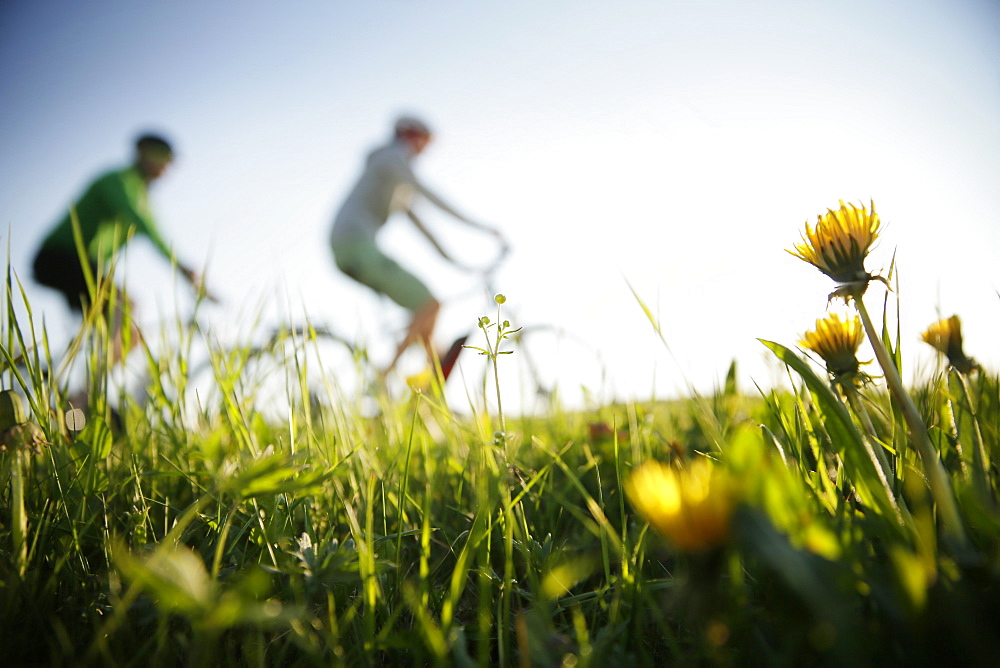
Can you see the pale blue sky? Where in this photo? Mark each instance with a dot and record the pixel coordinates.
(676, 145)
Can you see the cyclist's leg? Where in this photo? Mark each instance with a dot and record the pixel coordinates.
(420, 330)
(61, 271)
(364, 262)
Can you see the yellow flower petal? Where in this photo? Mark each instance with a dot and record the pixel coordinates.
(840, 242)
(692, 507)
(946, 337)
(837, 342)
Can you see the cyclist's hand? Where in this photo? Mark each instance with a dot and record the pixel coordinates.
(210, 296)
(205, 293)
(501, 239)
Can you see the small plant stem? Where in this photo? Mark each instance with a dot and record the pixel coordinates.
(503, 616)
(495, 350)
(496, 381)
(936, 476)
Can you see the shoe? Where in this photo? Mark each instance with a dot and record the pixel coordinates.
(451, 356)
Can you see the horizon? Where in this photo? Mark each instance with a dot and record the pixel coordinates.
(676, 148)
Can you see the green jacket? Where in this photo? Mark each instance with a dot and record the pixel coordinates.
(112, 205)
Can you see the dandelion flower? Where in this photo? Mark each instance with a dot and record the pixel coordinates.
(837, 342)
(946, 337)
(691, 508)
(422, 382)
(840, 242)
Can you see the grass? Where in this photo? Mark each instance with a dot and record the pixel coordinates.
(211, 533)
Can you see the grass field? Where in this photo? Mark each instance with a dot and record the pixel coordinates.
(841, 523)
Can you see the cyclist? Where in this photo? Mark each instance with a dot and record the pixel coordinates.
(113, 205)
(388, 185)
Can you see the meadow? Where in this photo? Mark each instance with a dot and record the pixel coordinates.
(850, 520)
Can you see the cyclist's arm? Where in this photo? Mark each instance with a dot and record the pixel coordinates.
(405, 173)
(438, 202)
(441, 204)
(430, 237)
(129, 199)
(125, 196)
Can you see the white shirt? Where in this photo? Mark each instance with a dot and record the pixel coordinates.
(387, 185)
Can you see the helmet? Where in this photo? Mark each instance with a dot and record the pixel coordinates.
(155, 143)
(411, 125)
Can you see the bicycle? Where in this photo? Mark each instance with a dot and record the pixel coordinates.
(530, 343)
(320, 364)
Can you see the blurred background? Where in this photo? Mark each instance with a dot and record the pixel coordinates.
(674, 146)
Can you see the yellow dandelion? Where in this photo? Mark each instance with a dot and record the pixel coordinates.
(840, 242)
(837, 342)
(422, 382)
(946, 337)
(692, 508)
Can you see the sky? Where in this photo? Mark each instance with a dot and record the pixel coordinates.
(672, 148)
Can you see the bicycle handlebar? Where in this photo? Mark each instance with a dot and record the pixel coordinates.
(494, 266)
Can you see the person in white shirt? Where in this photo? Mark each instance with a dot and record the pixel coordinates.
(388, 185)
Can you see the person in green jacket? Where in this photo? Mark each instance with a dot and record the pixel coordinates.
(111, 209)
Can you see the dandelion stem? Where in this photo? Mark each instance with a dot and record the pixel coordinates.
(936, 476)
(874, 450)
